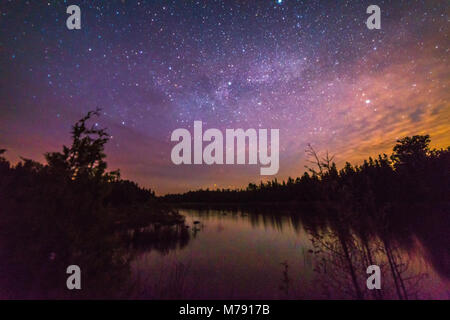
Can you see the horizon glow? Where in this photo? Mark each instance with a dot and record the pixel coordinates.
(312, 70)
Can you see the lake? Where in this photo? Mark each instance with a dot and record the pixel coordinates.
(243, 255)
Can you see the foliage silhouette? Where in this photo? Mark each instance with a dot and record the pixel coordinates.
(413, 172)
(71, 211)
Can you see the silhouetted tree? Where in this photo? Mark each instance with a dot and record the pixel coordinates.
(71, 211)
(411, 150)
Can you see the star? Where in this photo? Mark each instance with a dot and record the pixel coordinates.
(301, 66)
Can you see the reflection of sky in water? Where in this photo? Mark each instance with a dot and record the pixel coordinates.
(240, 256)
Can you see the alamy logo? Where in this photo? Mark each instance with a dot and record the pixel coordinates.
(374, 21)
(213, 153)
(74, 280)
(73, 22)
(374, 281)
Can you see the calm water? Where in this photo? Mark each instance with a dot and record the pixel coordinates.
(253, 256)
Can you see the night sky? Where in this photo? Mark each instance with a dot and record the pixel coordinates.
(309, 68)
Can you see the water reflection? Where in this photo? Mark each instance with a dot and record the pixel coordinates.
(346, 245)
(157, 237)
(262, 255)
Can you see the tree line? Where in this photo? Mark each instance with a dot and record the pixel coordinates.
(413, 172)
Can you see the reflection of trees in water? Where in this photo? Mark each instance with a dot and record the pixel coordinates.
(170, 283)
(348, 238)
(285, 282)
(345, 242)
(433, 235)
(161, 238)
(347, 246)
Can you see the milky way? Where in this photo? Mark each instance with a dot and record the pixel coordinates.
(310, 68)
